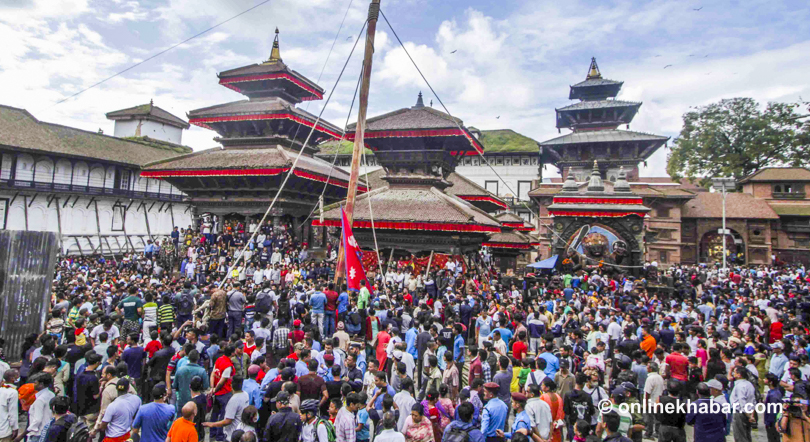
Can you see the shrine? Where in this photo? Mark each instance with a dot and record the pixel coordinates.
(419, 148)
(511, 246)
(261, 137)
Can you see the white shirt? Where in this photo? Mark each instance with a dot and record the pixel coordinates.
(390, 435)
(614, 330)
(307, 435)
(654, 387)
(540, 414)
(40, 412)
(404, 402)
(9, 419)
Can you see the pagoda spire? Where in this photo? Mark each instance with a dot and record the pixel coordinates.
(275, 53)
(596, 184)
(593, 71)
(419, 103)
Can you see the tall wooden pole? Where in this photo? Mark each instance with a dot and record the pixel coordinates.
(365, 83)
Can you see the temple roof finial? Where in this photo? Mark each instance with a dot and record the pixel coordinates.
(570, 184)
(593, 71)
(595, 184)
(275, 53)
(621, 184)
(419, 103)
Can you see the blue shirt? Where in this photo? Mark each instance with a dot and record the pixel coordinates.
(494, 417)
(343, 302)
(318, 302)
(378, 403)
(506, 334)
(154, 421)
(410, 339)
(254, 392)
(458, 349)
(552, 364)
(778, 365)
(134, 356)
(301, 368)
(522, 421)
(708, 426)
(362, 418)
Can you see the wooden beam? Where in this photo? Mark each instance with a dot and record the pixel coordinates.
(160, 209)
(75, 201)
(67, 200)
(81, 252)
(90, 202)
(98, 229)
(50, 200)
(150, 207)
(13, 199)
(25, 210)
(59, 224)
(131, 202)
(146, 218)
(33, 199)
(171, 212)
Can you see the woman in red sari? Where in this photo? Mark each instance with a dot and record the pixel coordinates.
(382, 342)
(555, 402)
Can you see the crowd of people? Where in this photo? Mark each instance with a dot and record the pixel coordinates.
(271, 349)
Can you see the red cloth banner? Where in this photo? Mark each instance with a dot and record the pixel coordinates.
(593, 214)
(566, 200)
(488, 199)
(393, 225)
(203, 122)
(228, 83)
(354, 265)
(504, 245)
(212, 172)
(519, 227)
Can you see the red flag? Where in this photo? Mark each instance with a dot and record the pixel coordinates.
(354, 263)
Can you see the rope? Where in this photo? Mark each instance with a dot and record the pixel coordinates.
(295, 163)
(371, 214)
(548, 227)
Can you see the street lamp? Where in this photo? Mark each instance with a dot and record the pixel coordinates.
(721, 184)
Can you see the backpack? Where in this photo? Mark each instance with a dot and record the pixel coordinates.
(456, 434)
(78, 432)
(264, 304)
(355, 319)
(331, 436)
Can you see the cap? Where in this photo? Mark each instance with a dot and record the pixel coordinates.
(520, 397)
(629, 386)
(282, 397)
(298, 346)
(340, 326)
(714, 383)
(297, 323)
(491, 386)
(328, 357)
(777, 345)
(254, 369)
(397, 354)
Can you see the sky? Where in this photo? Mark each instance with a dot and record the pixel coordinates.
(496, 65)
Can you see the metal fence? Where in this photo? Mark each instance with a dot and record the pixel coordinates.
(27, 261)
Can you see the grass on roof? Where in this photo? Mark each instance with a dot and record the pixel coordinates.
(507, 140)
(345, 147)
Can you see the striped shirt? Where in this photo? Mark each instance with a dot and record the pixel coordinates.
(280, 338)
(165, 313)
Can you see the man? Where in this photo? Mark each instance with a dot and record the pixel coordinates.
(404, 401)
(109, 390)
(132, 309)
(87, 390)
(710, 426)
(63, 420)
(182, 380)
(742, 401)
(152, 419)
(236, 309)
(345, 420)
(389, 433)
(381, 389)
(221, 385)
(464, 424)
(233, 410)
(539, 413)
(312, 386)
(283, 426)
(495, 413)
(9, 415)
(612, 423)
(117, 419)
(653, 389)
(577, 404)
(678, 363)
(183, 429)
(504, 380)
(40, 412)
(218, 307)
(314, 429)
(552, 362)
(318, 305)
(671, 420)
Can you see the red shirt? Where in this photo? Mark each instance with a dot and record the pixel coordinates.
(678, 366)
(331, 299)
(250, 350)
(519, 349)
(296, 336)
(222, 364)
(152, 347)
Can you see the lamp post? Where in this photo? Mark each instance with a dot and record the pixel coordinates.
(721, 184)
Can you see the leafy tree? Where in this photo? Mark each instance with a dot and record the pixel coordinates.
(735, 137)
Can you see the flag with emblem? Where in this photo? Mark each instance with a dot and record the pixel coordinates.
(353, 260)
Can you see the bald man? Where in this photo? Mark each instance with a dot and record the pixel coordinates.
(183, 429)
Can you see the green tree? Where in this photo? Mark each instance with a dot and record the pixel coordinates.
(736, 137)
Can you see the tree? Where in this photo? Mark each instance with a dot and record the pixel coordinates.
(734, 137)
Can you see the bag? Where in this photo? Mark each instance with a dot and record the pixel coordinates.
(186, 305)
(331, 436)
(455, 434)
(264, 304)
(78, 432)
(355, 319)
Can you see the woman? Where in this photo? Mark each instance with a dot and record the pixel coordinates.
(555, 402)
(450, 377)
(715, 364)
(382, 342)
(417, 428)
(446, 406)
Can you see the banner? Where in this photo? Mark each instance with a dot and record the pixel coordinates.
(354, 266)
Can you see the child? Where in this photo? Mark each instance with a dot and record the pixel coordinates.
(250, 416)
(80, 332)
(362, 430)
(154, 344)
(584, 433)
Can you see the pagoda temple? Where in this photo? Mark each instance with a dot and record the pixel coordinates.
(511, 245)
(261, 137)
(418, 147)
(594, 122)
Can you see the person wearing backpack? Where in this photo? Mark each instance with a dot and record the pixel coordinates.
(285, 425)
(65, 421)
(185, 304)
(463, 429)
(265, 299)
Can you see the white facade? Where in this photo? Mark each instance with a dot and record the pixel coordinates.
(148, 128)
(97, 208)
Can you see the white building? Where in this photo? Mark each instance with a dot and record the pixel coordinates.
(86, 186)
(148, 120)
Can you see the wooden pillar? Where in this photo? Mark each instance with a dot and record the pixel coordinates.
(25, 209)
(146, 218)
(59, 224)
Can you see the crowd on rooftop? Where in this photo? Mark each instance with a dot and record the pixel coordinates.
(271, 349)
